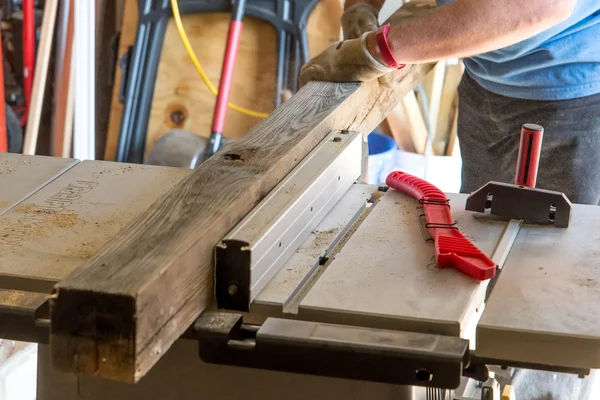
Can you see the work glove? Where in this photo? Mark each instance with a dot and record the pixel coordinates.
(345, 61)
(358, 19)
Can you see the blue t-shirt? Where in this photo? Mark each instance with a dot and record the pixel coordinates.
(560, 63)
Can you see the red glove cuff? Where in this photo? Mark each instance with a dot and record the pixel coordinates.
(384, 48)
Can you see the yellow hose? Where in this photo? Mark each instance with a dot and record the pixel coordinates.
(192, 54)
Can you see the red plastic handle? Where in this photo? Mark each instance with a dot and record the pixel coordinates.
(452, 248)
(529, 155)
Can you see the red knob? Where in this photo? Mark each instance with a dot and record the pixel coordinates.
(529, 155)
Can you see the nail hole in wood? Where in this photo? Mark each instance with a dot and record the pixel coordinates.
(232, 157)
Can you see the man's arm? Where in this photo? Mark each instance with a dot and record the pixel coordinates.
(469, 27)
(458, 30)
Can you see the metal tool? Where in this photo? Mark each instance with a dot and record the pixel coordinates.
(139, 64)
(521, 200)
(231, 49)
(179, 148)
(452, 248)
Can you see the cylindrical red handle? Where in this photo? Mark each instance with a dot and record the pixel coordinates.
(528, 159)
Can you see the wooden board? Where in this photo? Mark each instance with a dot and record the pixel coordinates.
(156, 276)
(181, 99)
(407, 125)
(384, 277)
(62, 225)
(22, 175)
(448, 108)
(545, 306)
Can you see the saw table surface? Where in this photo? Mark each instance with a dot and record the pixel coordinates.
(378, 270)
(64, 223)
(21, 175)
(385, 276)
(545, 307)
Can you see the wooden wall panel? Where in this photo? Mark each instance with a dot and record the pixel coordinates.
(181, 99)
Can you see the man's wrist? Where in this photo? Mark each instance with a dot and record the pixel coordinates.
(377, 63)
(373, 48)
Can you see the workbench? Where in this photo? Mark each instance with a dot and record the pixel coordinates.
(366, 264)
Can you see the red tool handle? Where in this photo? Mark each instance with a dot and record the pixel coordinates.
(28, 51)
(452, 248)
(3, 128)
(528, 159)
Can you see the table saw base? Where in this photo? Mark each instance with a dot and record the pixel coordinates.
(180, 374)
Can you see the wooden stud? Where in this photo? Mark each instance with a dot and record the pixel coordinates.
(408, 126)
(448, 108)
(62, 120)
(40, 75)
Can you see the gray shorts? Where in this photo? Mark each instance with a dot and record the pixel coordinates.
(489, 127)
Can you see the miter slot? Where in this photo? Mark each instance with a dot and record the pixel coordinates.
(256, 249)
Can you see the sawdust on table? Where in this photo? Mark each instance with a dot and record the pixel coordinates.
(65, 220)
(9, 167)
(13, 298)
(323, 239)
(116, 171)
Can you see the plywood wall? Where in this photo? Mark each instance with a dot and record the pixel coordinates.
(181, 100)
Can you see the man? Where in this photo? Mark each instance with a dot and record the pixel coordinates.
(527, 61)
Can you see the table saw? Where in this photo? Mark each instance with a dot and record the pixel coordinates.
(328, 288)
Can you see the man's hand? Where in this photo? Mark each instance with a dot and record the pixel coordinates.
(345, 61)
(358, 19)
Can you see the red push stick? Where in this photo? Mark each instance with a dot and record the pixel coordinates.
(452, 248)
(528, 159)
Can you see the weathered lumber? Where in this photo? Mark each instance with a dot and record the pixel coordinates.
(117, 314)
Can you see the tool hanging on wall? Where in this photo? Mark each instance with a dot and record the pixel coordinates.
(140, 64)
(28, 52)
(233, 40)
(3, 128)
